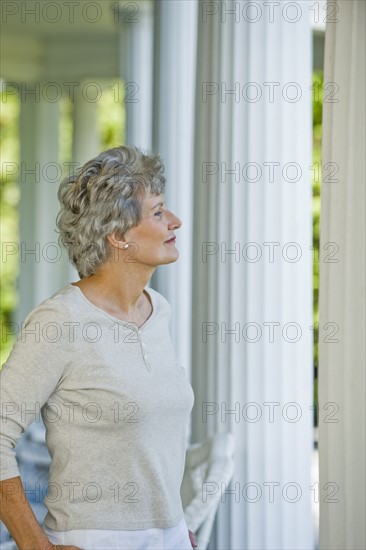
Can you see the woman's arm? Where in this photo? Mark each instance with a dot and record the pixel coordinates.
(27, 379)
(18, 516)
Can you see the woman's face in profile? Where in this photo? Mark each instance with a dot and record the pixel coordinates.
(148, 240)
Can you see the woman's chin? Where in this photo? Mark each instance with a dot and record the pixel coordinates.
(172, 257)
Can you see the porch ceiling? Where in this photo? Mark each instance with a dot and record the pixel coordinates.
(59, 41)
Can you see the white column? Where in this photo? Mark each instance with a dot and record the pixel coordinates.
(43, 267)
(342, 285)
(86, 137)
(136, 60)
(252, 280)
(173, 138)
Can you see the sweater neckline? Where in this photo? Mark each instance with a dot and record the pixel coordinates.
(125, 323)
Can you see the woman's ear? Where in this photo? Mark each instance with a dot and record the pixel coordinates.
(116, 239)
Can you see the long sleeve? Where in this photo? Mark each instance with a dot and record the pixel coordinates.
(30, 375)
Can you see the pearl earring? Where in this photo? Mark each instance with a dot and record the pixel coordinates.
(126, 245)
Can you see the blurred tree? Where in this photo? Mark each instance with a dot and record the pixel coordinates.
(317, 176)
(9, 199)
(111, 117)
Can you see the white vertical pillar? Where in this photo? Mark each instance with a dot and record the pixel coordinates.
(252, 291)
(43, 264)
(173, 138)
(136, 59)
(342, 285)
(86, 137)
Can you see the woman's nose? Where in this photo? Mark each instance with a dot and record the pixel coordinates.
(175, 221)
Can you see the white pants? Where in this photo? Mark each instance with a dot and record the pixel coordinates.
(171, 538)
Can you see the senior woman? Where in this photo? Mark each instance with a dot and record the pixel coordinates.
(96, 362)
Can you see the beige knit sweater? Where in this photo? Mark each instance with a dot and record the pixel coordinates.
(115, 403)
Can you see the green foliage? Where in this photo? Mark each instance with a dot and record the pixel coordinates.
(317, 144)
(65, 131)
(9, 200)
(111, 117)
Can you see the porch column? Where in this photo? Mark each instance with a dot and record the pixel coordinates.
(43, 266)
(252, 268)
(342, 285)
(175, 35)
(136, 61)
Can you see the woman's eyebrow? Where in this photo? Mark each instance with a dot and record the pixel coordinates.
(159, 204)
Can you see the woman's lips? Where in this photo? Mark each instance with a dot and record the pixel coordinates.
(171, 241)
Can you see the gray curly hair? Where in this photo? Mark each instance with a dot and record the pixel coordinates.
(103, 196)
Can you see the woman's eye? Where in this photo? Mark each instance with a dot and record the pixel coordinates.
(158, 213)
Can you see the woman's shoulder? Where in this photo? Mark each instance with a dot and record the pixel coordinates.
(53, 308)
